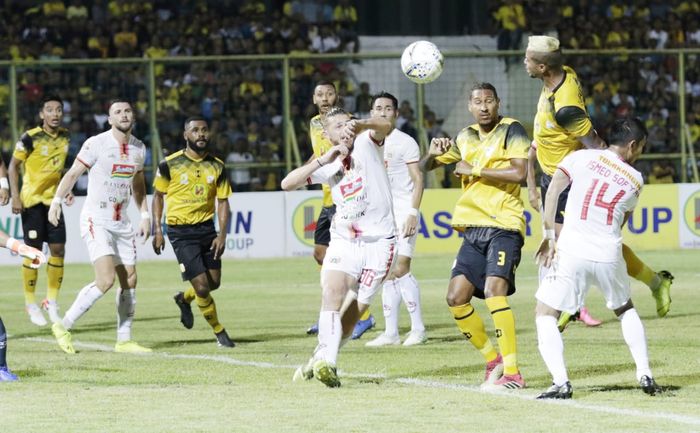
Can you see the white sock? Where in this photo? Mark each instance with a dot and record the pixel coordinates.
(633, 332)
(126, 304)
(86, 298)
(330, 331)
(551, 348)
(411, 297)
(391, 299)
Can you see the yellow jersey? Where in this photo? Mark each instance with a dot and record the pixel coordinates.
(560, 120)
(320, 144)
(191, 187)
(44, 157)
(486, 203)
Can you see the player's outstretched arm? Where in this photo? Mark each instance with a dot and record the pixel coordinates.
(223, 214)
(157, 209)
(13, 175)
(296, 178)
(139, 188)
(379, 126)
(438, 147)
(593, 141)
(516, 173)
(64, 187)
(37, 257)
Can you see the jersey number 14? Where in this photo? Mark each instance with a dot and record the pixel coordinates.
(600, 200)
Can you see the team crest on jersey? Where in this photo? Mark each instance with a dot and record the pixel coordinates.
(352, 189)
(199, 190)
(124, 171)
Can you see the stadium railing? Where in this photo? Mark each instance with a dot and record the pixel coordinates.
(161, 89)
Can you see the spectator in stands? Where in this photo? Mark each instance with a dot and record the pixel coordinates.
(511, 19)
(240, 177)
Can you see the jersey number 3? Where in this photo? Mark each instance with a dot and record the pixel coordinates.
(600, 200)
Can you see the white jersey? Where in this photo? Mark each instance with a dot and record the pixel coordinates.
(361, 192)
(603, 189)
(400, 149)
(112, 168)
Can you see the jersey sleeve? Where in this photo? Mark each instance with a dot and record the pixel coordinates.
(24, 147)
(324, 174)
(88, 153)
(141, 160)
(517, 141)
(223, 187)
(162, 180)
(412, 153)
(574, 120)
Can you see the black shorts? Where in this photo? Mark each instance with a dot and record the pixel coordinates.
(37, 228)
(488, 252)
(322, 234)
(545, 180)
(192, 245)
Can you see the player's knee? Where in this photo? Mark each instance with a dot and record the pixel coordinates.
(214, 284)
(57, 250)
(105, 282)
(132, 280)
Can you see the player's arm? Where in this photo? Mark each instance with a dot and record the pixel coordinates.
(223, 214)
(416, 175)
(13, 174)
(533, 193)
(516, 173)
(379, 126)
(575, 120)
(296, 178)
(547, 249)
(438, 147)
(160, 188)
(139, 188)
(4, 184)
(593, 141)
(64, 187)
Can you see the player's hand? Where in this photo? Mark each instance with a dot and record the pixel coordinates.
(533, 196)
(463, 168)
(37, 257)
(438, 146)
(158, 242)
(352, 128)
(4, 196)
(334, 152)
(546, 252)
(218, 245)
(54, 213)
(145, 229)
(69, 199)
(409, 227)
(16, 205)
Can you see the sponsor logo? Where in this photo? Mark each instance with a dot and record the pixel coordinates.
(352, 189)
(691, 213)
(304, 219)
(124, 171)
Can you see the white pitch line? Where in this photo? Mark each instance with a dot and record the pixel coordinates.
(681, 419)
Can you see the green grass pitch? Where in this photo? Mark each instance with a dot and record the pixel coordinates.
(190, 385)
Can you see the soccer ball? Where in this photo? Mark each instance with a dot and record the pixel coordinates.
(422, 62)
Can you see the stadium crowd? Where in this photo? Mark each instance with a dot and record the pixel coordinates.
(243, 100)
(622, 85)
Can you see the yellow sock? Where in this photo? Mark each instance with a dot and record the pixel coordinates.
(504, 321)
(365, 316)
(54, 273)
(208, 308)
(636, 268)
(190, 295)
(470, 324)
(29, 276)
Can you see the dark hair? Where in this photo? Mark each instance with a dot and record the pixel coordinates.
(195, 119)
(119, 101)
(48, 98)
(325, 83)
(483, 86)
(386, 95)
(625, 130)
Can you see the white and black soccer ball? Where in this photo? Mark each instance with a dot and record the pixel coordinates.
(422, 62)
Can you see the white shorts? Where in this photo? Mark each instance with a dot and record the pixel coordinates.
(367, 262)
(109, 238)
(567, 283)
